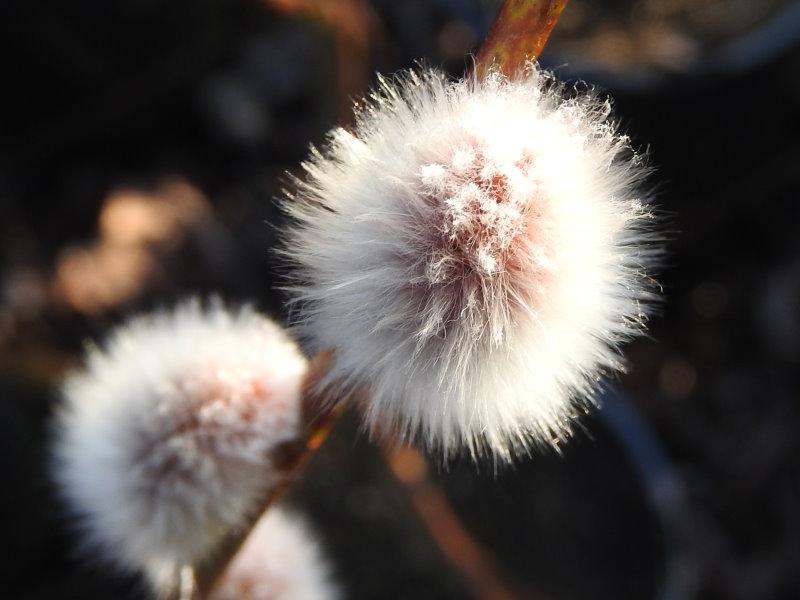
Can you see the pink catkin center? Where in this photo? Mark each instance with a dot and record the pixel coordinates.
(213, 410)
(482, 246)
(477, 224)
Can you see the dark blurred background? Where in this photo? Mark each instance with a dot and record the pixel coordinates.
(142, 144)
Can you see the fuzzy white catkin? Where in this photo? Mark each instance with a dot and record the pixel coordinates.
(164, 439)
(281, 560)
(475, 251)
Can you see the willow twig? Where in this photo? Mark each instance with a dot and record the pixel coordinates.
(467, 556)
(518, 34)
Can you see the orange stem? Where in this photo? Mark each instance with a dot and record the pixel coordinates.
(475, 563)
(518, 34)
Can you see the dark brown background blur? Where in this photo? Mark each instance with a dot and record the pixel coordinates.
(142, 143)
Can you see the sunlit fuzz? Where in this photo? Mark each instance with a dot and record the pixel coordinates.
(165, 438)
(475, 251)
(281, 560)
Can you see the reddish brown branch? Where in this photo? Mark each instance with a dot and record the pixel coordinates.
(519, 33)
(474, 562)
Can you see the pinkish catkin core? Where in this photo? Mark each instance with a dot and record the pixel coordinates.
(214, 410)
(487, 221)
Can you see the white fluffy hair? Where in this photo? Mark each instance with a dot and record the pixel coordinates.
(164, 439)
(281, 560)
(475, 251)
